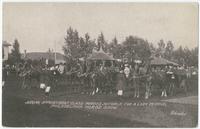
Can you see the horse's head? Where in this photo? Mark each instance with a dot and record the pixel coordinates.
(143, 70)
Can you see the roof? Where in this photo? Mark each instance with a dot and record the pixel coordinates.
(100, 55)
(161, 61)
(5, 43)
(44, 55)
(173, 63)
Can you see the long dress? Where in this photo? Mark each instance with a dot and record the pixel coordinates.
(121, 81)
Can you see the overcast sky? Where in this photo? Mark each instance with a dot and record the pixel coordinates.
(38, 26)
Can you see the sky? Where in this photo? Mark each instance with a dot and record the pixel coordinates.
(40, 26)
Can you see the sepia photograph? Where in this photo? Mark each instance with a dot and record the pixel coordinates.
(89, 64)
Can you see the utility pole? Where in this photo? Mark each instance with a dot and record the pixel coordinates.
(55, 51)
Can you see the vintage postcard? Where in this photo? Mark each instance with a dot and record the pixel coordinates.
(99, 64)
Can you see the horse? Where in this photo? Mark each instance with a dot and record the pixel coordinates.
(159, 79)
(94, 82)
(171, 81)
(28, 76)
(111, 76)
(87, 83)
(143, 78)
(102, 80)
(182, 79)
(95, 79)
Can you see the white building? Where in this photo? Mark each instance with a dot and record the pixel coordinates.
(5, 50)
(56, 57)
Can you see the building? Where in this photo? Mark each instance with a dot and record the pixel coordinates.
(5, 50)
(56, 57)
(101, 57)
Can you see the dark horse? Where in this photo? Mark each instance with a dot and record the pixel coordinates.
(141, 76)
(29, 74)
(159, 80)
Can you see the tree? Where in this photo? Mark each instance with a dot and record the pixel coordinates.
(187, 56)
(132, 47)
(72, 44)
(112, 47)
(191, 56)
(161, 48)
(15, 56)
(194, 57)
(136, 46)
(86, 45)
(179, 56)
(169, 50)
(101, 42)
(129, 46)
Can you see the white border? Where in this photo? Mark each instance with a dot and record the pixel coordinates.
(93, 1)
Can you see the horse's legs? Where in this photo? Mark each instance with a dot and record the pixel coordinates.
(23, 82)
(185, 87)
(76, 83)
(85, 85)
(162, 92)
(135, 89)
(95, 86)
(138, 89)
(138, 92)
(147, 94)
(150, 87)
(163, 86)
(72, 83)
(136, 95)
(135, 92)
(170, 88)
(92, 92)
(78, 80)
(38, 81)
(29, 84)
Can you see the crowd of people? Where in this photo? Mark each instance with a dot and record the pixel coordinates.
(91, 78)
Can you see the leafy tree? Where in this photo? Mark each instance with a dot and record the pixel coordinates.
(15, 56)
(102, 42)
(161, 48)
(193, 60)
(86, 45)
(90, 44)
(72, 44)
(132, 48)
(169, 50)
(179, 56)
(136, 46)
(114, 48)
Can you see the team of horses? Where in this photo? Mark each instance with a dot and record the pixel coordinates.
(93, 81)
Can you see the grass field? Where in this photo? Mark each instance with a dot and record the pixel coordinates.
(146, 113)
